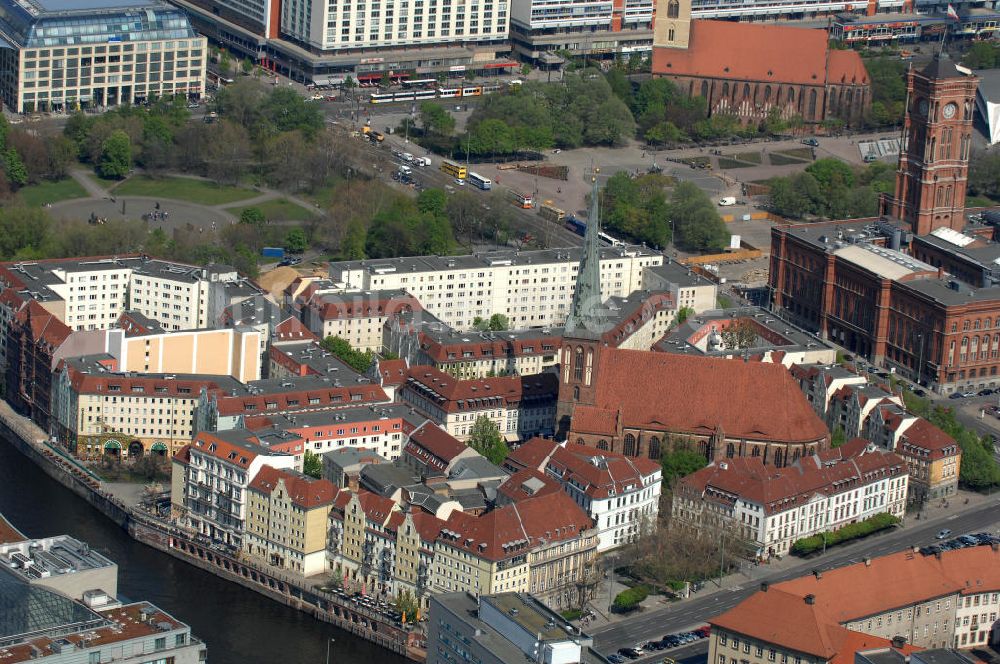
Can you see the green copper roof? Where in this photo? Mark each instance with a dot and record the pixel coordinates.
(587, 317)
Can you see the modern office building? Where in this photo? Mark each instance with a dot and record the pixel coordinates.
(65, 55)
(325, 42)
(503, 628)
(543, 31)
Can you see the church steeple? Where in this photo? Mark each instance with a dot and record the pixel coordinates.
(586, 313)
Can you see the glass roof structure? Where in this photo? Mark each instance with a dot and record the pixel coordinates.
(48, 23)
(28, 610)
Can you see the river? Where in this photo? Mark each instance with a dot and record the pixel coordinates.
(239, 626)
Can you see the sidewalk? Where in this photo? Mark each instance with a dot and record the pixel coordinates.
(749, 574)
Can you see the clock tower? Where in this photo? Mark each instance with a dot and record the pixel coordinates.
(934, 160)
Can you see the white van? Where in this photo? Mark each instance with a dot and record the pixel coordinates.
(726, 201)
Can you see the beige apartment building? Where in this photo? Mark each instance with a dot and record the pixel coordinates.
(92, 55)
(223, 352)
(97, 410)
(286, 522)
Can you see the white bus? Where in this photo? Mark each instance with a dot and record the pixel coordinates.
(477, 180)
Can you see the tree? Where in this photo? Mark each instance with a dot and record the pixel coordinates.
(116, 156)
(435, 119)
(296, 241)
(681, 461)
(357, 360)
(253, 216)
(683, 314)
(406, 604)
(433, 200)
(485, 438)
(984, 175)
(480, 323)
(312, 465)
(982, 55)
(14, 168)
(739, 335)
(696, 220)
(246, 66)
(838, 437)
(499, 323)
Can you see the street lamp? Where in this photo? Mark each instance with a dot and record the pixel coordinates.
(329, 641)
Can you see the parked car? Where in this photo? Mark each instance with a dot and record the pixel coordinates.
(956, 395)
(944, 534)
(811, 142)
(919, 392)
(987, 392)
(631, 653)
(616, 659)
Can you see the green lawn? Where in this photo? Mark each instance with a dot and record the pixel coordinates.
(278, 209)
(979, 201)
(38, 195)
(184, 189)
(782, 159)
(752, 157)
(726, 162)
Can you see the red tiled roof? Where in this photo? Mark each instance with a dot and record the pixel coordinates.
(431, 439)
(376, 507)
(927, 439)
(531, 454)
(304, 491)
(780, 489)
(845, 66)
(292, 329)
(514, 529)
(898, 580)
(759, 52)
(600, 474)
(454, 395)
(428, 525)
(361, 305)
(255, 403)
(543, 344)
(137, 385)
(223, 449)
(514, 488)
(698, 395)
(393, 372)
(43, 325)
(183, 455)
(9, 533)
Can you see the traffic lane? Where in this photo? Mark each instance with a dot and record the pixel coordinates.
(677, 616)
(555, 235)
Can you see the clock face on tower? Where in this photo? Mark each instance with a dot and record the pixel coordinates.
(922, 107)
(949, 111)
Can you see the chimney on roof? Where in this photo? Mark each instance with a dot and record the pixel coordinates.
(995, 546)
(937, 554)
(868, 562)
(898, 641)
(810, 599)
(764, 585)
(818, 574)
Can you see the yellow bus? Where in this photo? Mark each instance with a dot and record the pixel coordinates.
(551, 213)
(454, 170)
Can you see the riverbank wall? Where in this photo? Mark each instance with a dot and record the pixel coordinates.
(345, 614)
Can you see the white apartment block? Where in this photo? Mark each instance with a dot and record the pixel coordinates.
(621, 494)
(358, 317)
(209, 487)
(776, 507)
(334, 25)
(91, 293)
(531, 288)
(690, 289)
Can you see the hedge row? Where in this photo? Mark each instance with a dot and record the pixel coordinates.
(627, 600)
(852, 531)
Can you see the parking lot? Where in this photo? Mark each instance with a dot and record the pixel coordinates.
(668, 642)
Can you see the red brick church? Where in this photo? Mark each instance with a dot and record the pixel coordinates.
(748, 69)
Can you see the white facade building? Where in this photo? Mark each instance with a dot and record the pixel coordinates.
(209, 487)
(342, 25)
(531, 288)
(775, 507)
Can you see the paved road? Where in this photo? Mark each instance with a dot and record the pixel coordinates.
(698, 609)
